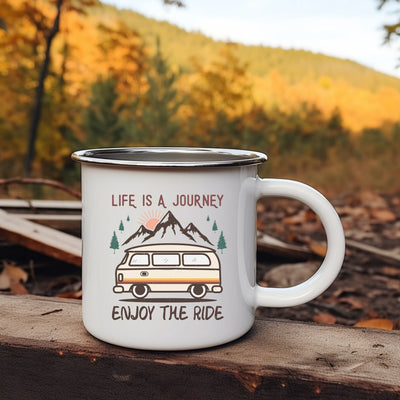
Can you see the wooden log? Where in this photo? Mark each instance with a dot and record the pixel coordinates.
(270, 245)
(45, 353)
(392, 256)
(40, 238)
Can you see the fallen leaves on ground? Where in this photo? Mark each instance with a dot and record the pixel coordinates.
(390, 271)
(71, 295)
(318, 248)
(383, 215)
(377, 323)
(368, 287)
(12, 278)
(324, 318)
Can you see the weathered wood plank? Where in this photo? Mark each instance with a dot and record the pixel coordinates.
(69, 223)
(51, 217)
(40, 204)
(46, 353)
(57, 214)
(40, 238)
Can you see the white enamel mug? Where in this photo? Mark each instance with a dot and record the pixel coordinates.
(169, 245)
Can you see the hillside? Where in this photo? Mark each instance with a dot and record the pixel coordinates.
(294, 65)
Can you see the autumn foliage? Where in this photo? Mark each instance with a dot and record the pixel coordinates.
(108, 84)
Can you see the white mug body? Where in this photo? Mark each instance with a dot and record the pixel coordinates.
(179, 214)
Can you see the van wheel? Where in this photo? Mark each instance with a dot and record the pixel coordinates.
(198, 291)
(140, 291)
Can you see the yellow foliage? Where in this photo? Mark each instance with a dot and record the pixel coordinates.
(360, 108)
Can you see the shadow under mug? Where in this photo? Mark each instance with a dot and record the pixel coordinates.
(169, 245)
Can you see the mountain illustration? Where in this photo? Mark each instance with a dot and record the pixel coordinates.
(140, 233)
(192, 230)
(169, 227)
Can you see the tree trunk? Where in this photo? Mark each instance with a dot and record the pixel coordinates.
(38, 100)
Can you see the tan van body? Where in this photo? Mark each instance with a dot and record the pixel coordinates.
(169, 268)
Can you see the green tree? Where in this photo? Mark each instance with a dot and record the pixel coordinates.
(114, 242)
(392, 30)
(395, 145)
(158, 122)
(219, 99)
(329, 134)
(221, 242)
(121, 227)
(215, 227)
(101, 120)
(372, 142)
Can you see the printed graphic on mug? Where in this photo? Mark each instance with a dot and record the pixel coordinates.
(158, 254)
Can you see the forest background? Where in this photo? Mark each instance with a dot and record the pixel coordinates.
(108, 77)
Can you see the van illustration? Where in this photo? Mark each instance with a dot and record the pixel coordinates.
(168, 268)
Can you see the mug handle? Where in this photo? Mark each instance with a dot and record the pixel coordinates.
(330, 267)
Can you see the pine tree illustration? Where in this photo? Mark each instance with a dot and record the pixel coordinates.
(221, 242)
(215, 227)
(114, 243)
(121, 226)
(208, 218)
(128, 219)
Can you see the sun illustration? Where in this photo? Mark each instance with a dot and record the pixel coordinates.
(150, 218)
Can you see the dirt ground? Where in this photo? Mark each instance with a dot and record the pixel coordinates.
(367, 288)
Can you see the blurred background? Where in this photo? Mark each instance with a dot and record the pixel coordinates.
(314, 85)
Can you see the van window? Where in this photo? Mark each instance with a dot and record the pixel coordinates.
(196, 259)
(166, 259)
(139, 259)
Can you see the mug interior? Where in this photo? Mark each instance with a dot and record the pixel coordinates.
(169, 156)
